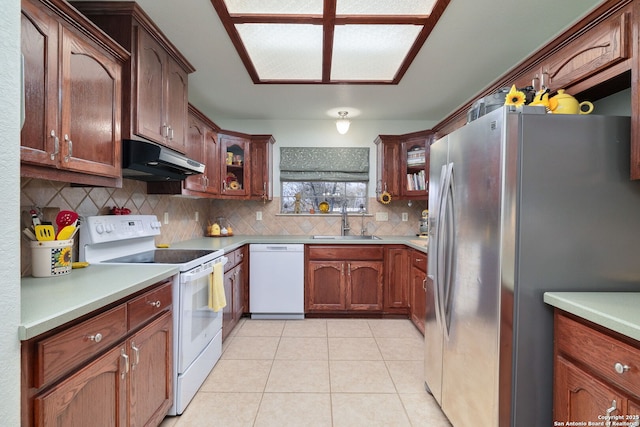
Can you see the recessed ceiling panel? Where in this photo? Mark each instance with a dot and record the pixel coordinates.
(284, 51)
(351, 41)
(370, 52)
(384, 7)
(275, 7)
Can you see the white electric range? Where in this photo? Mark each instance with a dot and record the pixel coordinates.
(197, 340)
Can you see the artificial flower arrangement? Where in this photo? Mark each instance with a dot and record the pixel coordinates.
(515, 97)
(518, 98)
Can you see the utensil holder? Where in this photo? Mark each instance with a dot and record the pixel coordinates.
(51, 258)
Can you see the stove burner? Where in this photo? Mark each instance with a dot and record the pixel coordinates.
(163, 256)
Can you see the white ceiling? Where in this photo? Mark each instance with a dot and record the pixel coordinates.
(474, 43)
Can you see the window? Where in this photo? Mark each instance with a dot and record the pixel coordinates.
(351, 195)
(338, 176)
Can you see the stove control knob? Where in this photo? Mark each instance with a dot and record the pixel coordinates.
(100, 228)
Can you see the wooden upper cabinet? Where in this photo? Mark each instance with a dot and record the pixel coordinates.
(387, 166)
(150, 93)
(202, 145)
(593, 52)
(73, 87)
(600, 52)
(156, 94)
(261, 148)
(235, 159)
(403, 165)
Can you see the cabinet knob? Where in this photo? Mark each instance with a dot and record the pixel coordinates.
(95, 338)
(620, 368)
(155, 304)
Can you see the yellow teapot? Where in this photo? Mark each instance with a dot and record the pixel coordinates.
(567, 104)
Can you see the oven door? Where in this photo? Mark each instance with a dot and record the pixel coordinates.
(198, 324)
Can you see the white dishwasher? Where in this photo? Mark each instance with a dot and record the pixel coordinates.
(276, 281)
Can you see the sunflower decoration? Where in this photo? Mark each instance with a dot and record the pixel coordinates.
(63, 258)
(385, 198)
(515, 97)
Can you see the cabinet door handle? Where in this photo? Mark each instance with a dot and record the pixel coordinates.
(609, 411)
(95, 338)
(69, 146)
(620, 368)
(56, 144)
(424, 284)
(165, 130)
(349, 269)
(170, 133)
(125, 358)
(342, 269)
(136, 355)
(544, 83)
(155, 304)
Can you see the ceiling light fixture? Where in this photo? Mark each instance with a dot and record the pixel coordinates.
(342, 124)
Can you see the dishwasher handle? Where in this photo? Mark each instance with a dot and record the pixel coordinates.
(275, 248)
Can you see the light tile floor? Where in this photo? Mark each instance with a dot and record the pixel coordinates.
(316, 372)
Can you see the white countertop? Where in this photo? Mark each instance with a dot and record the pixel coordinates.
(618, 311)
(46, 303)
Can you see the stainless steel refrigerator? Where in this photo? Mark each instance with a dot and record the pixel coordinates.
(520, 203)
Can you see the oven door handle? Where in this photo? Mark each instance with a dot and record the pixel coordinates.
(192, 277)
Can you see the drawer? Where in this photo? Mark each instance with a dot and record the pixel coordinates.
(148, 305)
(599, 353)
(231, 261)
(345, 252)
(419, 260)
(66, 350)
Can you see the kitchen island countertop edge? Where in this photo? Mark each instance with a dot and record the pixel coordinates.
(617, 311)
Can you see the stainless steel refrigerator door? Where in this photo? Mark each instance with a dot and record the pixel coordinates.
(471, 351)
(433, 335)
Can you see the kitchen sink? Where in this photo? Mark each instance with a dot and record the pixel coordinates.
(354, 237)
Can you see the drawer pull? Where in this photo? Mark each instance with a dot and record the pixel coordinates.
(620, 368)
(155, 304)
(95, 338)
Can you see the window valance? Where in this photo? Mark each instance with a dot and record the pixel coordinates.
(324, 164)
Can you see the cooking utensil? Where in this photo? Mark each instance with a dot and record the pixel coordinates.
(45, 233)
(35, 219)
(29, 233)
(65, 218)
(66, 232)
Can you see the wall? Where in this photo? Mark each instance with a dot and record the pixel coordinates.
(316, 133)
(9, 181)
(98, 201)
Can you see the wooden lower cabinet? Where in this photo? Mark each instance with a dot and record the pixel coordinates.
(396, 287)
(595, 374)
(235, 291)
(344, 278)
(96, 395)
(150, 373)
(421, 294)
(127, 383)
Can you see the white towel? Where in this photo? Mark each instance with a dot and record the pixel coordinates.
(217, 300)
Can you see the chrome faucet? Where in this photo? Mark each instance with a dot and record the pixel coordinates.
(362, 229)
(345, 220)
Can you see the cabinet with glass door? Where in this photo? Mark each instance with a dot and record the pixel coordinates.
(235, 161)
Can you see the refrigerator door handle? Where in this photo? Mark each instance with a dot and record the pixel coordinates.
(446, 251)
(439, 218)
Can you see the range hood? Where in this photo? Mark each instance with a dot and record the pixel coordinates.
(147, 161)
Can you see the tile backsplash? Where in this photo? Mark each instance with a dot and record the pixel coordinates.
(240, 214)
